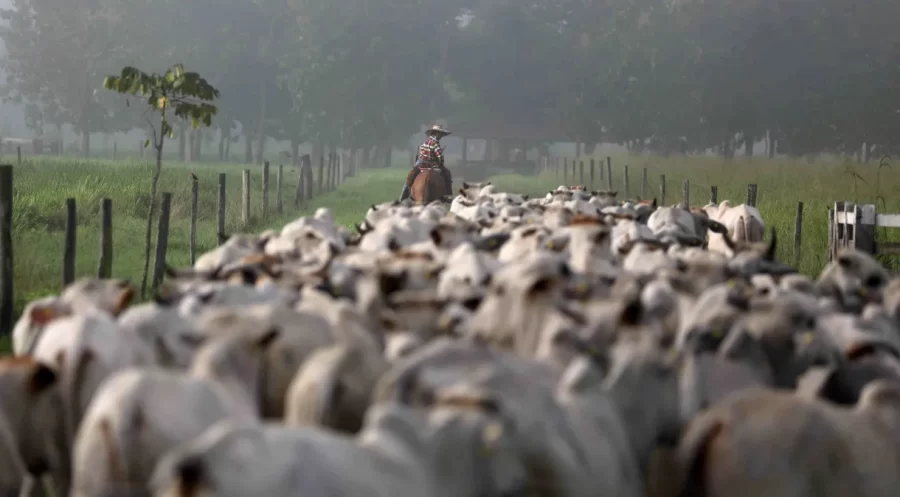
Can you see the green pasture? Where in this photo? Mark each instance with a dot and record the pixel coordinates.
(41, 186)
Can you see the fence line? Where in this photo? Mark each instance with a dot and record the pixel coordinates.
(333, 170)
(560, 165)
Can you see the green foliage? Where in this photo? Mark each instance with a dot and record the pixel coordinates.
(184, 94)
(667, 76)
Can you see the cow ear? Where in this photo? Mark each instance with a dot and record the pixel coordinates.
(43, 314)
(267, 338)
(41, 378)
(739, 345)
(558, 243)
(166, 295)
(434, 272)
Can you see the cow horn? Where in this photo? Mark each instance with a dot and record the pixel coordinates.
(776, 268)
(493, 242)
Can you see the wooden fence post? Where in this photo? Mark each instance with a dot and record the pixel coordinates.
(245, 198)
(279, 196)
(69, 249)
(662, 189)
(609, 173)
(220, 211)
(298, 194)
(686, 194)
(625, 182)
(162, 240)
(104, 267)
(751, 195)
(195, 198)
(714, 194)
(644, 185)
(864, 231)
(592, 174)
(798, 232)
(265, 189)
(6, 249)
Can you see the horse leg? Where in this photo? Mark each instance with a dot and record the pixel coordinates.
(410, 179)
(448, 182)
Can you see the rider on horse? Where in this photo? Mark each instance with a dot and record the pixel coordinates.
(430, 155)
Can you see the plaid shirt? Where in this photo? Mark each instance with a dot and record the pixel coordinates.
(431, 151)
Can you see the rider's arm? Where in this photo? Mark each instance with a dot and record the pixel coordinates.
(439, 154)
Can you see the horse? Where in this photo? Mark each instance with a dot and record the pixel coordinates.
(428, 186)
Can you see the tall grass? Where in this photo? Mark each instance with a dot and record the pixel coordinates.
(42, 185)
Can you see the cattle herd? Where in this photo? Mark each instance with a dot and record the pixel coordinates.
(488, 345)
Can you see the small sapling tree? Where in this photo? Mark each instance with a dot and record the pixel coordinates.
(184, 95)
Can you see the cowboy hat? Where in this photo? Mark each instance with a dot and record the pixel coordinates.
(436, 129)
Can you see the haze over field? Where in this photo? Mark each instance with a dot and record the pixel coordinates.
(652, 75)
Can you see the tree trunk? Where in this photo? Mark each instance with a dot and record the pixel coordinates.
(728, 148)
(228, 148)
(318, 150)
(748, 146)
(388, 156)
(365, 156)
(154, 185)
(248, 150)
(198, 145)
(261, 127)
(295, 149)
(222, 145)
(181, 143)
(189, 150)
(86, 144)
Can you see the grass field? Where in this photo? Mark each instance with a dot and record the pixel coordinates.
(42, 185)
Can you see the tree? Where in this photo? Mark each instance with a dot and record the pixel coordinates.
(183, 94)
(56, 50)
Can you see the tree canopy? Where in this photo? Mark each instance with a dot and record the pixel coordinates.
(667, 76)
